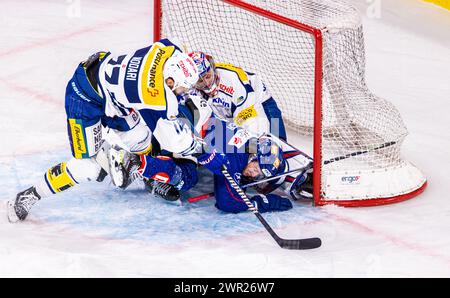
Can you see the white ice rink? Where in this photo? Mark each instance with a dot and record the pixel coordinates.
(98, 231)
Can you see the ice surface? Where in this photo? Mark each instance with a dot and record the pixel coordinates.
(96, 230)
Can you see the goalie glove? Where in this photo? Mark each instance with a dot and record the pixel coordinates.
(302, 187)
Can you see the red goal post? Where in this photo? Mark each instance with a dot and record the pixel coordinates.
(335, 185)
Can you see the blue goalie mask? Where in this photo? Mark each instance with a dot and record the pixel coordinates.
(270, 157)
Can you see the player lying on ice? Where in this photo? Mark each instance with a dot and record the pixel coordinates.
(241, 98)
(231, 93)
(247, 157)
(235, 95)
(134, 95)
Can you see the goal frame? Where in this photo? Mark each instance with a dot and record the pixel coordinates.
(316, 34)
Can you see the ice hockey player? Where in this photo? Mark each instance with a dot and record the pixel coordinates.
(232, 94)
(133, 94)
(239, 96)
(247, 158)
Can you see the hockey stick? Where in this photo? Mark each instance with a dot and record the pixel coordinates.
(200, 197)
(306, 243)
(331, 160)
(307, 167)
(387, 144)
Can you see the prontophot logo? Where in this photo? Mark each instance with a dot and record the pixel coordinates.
(351, 180)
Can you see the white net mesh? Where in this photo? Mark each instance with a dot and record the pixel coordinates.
(353, 119)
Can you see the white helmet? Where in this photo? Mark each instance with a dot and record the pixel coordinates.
(182, 69)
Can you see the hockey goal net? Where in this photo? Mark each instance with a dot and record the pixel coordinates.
(311, 55)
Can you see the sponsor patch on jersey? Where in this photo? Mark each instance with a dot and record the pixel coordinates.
(161, 177)
(228, 90)
(240, 100)
(152, 87)
(220, 101)
(78, 139)
(86, 141)
(245, 114)
(240, 138)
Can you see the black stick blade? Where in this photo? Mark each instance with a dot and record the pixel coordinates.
(307, 243)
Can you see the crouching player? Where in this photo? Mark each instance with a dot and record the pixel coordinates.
(134, 94)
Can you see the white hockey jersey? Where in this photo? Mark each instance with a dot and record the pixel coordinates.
(239, 98)
(135, 82)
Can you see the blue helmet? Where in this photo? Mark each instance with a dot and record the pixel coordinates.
(270, 157)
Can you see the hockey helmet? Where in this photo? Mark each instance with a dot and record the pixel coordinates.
(208, 78)
(182, 70)
(270, 157)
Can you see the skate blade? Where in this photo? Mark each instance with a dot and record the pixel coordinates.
(12, 216)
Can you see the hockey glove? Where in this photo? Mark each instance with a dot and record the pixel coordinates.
(162, 169)
(271, 202)
(213, 161)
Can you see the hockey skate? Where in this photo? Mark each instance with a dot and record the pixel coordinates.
(19, 209)
(302, 187)
(163, 190)
(122, 166)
